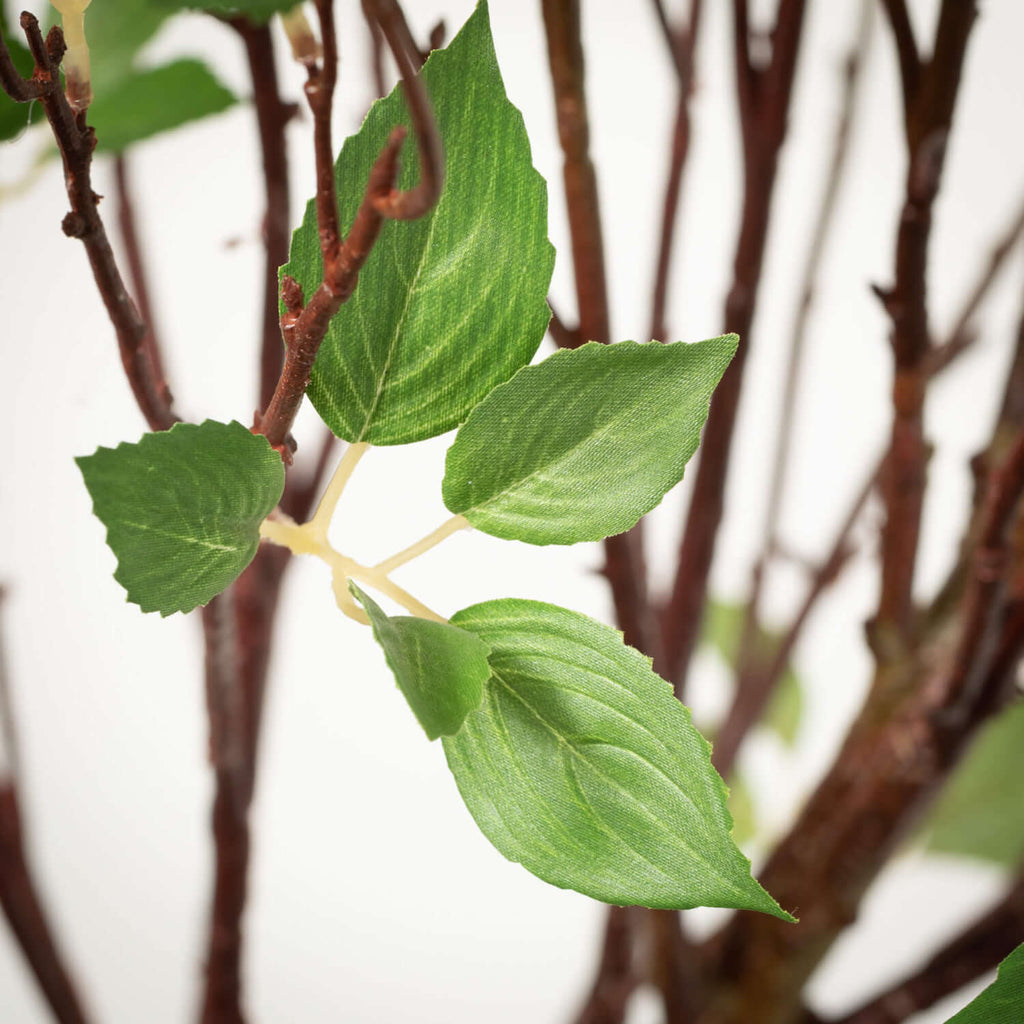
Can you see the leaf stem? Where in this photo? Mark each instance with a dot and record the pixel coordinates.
(445, 530)
(308, 540)
(329, 502)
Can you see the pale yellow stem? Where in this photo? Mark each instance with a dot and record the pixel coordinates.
(431, 540)
(329, 502)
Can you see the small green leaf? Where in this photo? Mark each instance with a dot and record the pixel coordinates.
(582, 445)
(452, 304)
(183, 509)
(440, 668)
(144, 103)
(583, 767)
(1003, 1001)
(257, 11)
(980, 813)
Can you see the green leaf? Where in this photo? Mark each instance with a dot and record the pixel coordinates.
(147, 102)
(980, 813)
(743, 810)
(582, 445)
(14, 117)
(440, 668)
(582, 766)
(116, 31)
(452, 304)
(257, 11)
(183, 509)
(722, 629)
(1003, 1001)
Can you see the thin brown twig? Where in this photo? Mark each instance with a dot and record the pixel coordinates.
(979, 949)
(305, 323)
(19, 895)
(76, 142)
(764, 98)
(562, 335)
(137, 272)
(906, 51)
(961, 336)
(682, 45)
(272, 117)
(928, 126)
(756, 679)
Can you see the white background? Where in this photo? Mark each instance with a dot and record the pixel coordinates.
(374, 897)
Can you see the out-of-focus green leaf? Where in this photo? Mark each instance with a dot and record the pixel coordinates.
(14, 117)
(743, 810)
(722, 630)
(144, 103)
(980, 813)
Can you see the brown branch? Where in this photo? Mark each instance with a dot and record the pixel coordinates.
(19, 896)
(562, 335)
(979, 949)
(305, 323)
(76, 142)
(906, 51)
(904, 479)
(754, 691)
(682, 45)
(961, 336)
(755, 679)
(615, 980)
(137, 272)
(764, 129)
(272, 117)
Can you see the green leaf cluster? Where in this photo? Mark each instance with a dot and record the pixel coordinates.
(573, 756)
(130, 103)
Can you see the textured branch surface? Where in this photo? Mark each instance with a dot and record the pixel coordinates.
(76, 142)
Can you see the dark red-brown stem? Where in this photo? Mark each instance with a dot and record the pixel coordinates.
(342, 261)
(272, 117)
(906, 51)
(681, 46)
(755, 679)
(979, 949)
(137, 272)
(76, 142)
(764, 97)
(931, 113)
(561, 333)
(19, 896)
(961, 336)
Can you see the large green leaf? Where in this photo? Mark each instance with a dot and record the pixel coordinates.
(183, 509)
(452, 304)
(440, 668)
(147, 102)
(582, 445)
(582, 766)
(981, 811)
(1003, 1001)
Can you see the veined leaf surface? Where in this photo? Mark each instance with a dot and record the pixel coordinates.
(582, 766)
(452, 304)
(440, 668)
(582, 445)
(183, 508)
